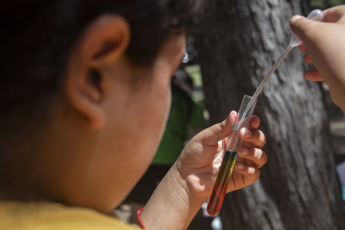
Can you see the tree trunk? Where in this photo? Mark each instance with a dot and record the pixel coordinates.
(237, 43)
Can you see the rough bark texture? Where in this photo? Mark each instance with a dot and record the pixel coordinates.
(238, 41)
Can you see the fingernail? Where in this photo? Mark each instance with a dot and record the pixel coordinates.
(239, 165)
(233, 114)
(244, 151)
(253, 121)
(295, 18)
(246, 132)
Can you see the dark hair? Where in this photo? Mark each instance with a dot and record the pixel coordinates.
(37, 37)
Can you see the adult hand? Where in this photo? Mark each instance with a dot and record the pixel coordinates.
(324, 43)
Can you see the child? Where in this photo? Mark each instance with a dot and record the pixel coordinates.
(85, 94)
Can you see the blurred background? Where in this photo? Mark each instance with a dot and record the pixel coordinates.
(229, 51)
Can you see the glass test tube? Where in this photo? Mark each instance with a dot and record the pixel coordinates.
(230, 156)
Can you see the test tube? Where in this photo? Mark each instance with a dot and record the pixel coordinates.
(222, 182)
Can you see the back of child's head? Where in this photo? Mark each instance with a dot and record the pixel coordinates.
(36, 39)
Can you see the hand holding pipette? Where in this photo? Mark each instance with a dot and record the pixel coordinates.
(325, 46)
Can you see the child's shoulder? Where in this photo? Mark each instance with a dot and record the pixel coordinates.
(20, 215)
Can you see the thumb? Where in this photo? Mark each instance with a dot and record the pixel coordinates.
(301, 26)
(217, 132)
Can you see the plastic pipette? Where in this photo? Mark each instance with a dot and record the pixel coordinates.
(315, 15)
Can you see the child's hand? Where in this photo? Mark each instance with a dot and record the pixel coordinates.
(190, 181)
(324, 43)
(200, 160)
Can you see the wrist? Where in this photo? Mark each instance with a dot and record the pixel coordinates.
(192, 184)
(185, 186)
(139, 219)
(171, 206)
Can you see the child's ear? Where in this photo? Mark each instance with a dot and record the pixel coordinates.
(101, 46)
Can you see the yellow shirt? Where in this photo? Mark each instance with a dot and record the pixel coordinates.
(53, 216)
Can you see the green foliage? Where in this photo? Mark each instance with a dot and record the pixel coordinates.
(195, 73)
(324, 4)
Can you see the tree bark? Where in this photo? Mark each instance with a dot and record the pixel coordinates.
(237, 43)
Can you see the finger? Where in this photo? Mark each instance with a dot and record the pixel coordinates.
(307, 59)
(302, 27)
(253, 136)
(302, 47)
(250, 173)
(333, 14)
(254, 122)
(255, 156)
(313, 75)
(217, 132)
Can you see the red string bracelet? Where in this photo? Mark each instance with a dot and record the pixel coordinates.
(138, 214)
